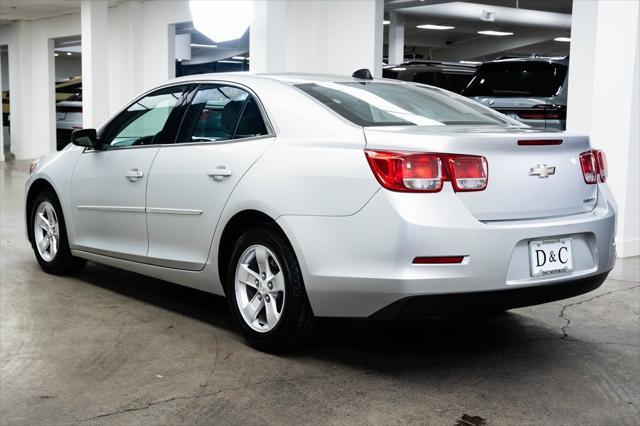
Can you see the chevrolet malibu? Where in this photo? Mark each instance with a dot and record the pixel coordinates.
(304, 196)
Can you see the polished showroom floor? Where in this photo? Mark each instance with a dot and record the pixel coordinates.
(111, 347)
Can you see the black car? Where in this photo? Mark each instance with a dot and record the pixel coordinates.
(452, 76)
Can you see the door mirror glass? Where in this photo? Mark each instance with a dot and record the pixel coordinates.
(85, 137)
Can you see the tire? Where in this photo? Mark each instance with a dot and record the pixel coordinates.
(59, 261)
(296, 327)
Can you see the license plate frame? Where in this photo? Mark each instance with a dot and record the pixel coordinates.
(552, 256)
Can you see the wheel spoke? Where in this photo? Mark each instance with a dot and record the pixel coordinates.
(263, 261)
(42, 221)
(278, 283)
(253, 308)
(44, 244)
(248, 276)
(53, 246)
(272, 312)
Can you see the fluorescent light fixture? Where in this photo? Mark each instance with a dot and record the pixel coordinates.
(56, 54)
(471, 62)
(229, 62)
(564, 39)
(385, 22)
(496, 33)
(221, 20)
(207, 46)
(435, 27)
(398, 69)
(68, 53)
(239, 58)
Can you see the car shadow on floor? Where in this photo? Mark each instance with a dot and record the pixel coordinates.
(354, 342)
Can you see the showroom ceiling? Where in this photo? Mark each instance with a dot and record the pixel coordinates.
(21, 10)
(534, 24)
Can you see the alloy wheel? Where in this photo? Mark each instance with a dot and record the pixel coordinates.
(260, 289)
(46, 231)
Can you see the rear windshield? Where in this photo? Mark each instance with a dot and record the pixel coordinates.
(388, 104)
(517, 79)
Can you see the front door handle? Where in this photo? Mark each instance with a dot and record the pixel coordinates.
(219, 172)
(134, 174)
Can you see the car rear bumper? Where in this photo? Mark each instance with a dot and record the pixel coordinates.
(356, 265)
(488, 301)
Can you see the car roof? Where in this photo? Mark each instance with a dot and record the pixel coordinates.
(549, 59)
(247, 77)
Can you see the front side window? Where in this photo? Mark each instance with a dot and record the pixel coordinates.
(221, 113)
(389, 104)
(145, 122)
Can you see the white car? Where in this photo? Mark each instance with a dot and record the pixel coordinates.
(300, 196)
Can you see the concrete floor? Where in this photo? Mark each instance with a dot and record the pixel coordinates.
(111, 347)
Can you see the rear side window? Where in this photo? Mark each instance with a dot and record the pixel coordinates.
(503, 79)
(220, 113)
(390, 104)
(425, 77)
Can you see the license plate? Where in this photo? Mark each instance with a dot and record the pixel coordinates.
(549, 257)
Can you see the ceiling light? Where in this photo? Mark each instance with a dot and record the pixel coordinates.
(208, 46)
(471, 62)
(221, 20)
(398, 69)
(564, 39)
(435, 27)
(226, 61)
(495, 33)
(240, 58)
(56, 54)
(68, 53)
(385, 22)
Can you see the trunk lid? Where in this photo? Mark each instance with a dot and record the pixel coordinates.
(512, 193)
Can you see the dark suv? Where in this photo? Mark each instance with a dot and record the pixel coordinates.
(452, 76)
(530, 90)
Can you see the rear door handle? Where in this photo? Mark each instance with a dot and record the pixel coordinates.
(221, 171)
(134, 174)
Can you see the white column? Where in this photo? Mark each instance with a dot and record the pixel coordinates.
(95, 81)
(321, 36)
(1, 121)
(603, 100)
(396, 39)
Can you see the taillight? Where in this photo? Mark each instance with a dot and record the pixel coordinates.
(544, 112)
(411, 172)
(601, 162)
(468, 173)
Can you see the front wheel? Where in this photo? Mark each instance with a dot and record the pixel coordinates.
(266, 292)
(49, 237)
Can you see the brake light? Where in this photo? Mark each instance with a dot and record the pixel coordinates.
(437, 260)
(543, 112)
(601, 162)
(411, 172)
(468, 173)
(589, 167)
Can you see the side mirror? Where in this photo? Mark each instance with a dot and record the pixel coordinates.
(87, 138)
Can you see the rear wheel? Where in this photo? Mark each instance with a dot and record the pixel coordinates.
(266, 292)
(49, 237)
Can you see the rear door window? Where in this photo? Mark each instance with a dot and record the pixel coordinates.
(220, 113)
(506, 79)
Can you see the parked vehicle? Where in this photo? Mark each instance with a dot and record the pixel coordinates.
(65, 89)
(300, 196)
(68, 119)
(452, 76)
(531, 90)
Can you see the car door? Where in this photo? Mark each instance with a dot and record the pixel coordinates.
(222, 134)
(108, 186)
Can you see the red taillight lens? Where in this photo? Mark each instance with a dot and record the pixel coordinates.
(400, 171)
(410, 172)
(544, 112)
(594, 166)
(437, 260)
(601, 162)
(468, 173)
(589, 167)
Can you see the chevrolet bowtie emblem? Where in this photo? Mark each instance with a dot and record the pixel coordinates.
(542, 171)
